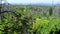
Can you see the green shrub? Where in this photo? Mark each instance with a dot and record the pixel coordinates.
(44, 26)
(26, 20)
(11, 23)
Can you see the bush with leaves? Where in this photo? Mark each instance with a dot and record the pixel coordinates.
(26, 21)
(14, 23)
(45, 26)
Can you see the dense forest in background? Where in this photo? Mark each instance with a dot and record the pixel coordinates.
(29, 19)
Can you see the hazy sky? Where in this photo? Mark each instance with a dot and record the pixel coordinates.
(34, 1)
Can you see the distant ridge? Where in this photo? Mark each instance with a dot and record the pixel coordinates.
(38, 4)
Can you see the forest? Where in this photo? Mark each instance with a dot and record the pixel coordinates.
(29, 19)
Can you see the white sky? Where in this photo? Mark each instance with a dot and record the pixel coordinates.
(34, 1)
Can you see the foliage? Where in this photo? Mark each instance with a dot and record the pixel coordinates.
(44, 26)
(28, 20)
